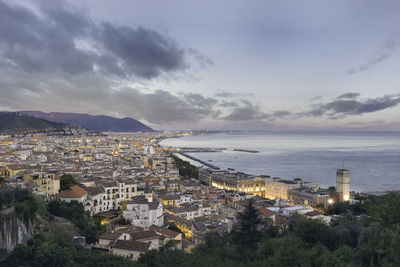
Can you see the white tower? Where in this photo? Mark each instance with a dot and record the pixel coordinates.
(343, 184)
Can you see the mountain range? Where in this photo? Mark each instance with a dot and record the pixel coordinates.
(11, 121)
(97, 123)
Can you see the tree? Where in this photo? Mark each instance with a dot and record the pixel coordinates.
(384, 209)
(52, 254)
(247, 231)
(270, 230)
(311, 231)
(66, 181)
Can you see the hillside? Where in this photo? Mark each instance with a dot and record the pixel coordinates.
(99, 123)
(14, 121)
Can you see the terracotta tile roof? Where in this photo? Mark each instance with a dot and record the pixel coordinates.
(74, 192)
(148, 234)
(110, 236)
(16, 167)
(266, 212)
(164, 231)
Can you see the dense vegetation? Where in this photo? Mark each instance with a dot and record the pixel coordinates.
(22, 200)
(372, 240)
(185, 168)
(53, 246)
(56, 248)
(88, 226)
(66, 181)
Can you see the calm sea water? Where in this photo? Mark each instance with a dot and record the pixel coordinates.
(373, 158)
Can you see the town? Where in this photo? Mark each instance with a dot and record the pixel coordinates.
(144, 194)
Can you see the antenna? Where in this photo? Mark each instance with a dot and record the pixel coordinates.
(343, 164)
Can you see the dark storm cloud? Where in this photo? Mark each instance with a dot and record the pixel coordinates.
(143, 52)
(343, 107)
(53, 57)
(388, 48)
(63, 40)
(349, 96)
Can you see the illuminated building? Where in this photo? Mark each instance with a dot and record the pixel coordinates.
(343, 184)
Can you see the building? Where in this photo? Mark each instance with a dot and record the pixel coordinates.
(239, 182)
(144, 212)
(169, 235)
(94, 201)
(130, 249)
(14, 169)
(205, 175)
(170, 200)
(185, 226)
(343, 184)
(74, 193)
(279, 188)
(46, 183)
(306, 196)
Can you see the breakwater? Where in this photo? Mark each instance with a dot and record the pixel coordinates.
(200, 161)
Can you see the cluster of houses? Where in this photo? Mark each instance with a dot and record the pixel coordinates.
(129, 177)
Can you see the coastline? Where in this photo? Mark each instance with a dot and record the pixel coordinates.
(366, 160)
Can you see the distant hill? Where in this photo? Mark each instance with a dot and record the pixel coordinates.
(99, 123)
(15, 121)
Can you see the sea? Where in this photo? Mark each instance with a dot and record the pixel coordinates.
(373, 158)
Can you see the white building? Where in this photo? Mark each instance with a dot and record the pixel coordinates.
(144, 212)
(117, 192)
(94, 201)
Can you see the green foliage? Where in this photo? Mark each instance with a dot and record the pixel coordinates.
(384, 209)
(56, 251)
(75, 212)
(66, 181)
(248, 231)
(311, 231)
(85, 257)
(185, 168)
(51, 254)
(346, 207)
(25, 203)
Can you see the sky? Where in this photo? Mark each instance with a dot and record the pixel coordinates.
(228, 64)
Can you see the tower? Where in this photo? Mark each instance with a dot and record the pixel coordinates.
(343, 184)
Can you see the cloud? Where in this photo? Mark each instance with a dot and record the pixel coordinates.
(53, 57)
(225, 94)
(345, 105)
(348, 96)
(63, 40)
(315, 98)
(245, 111)
(388, 48)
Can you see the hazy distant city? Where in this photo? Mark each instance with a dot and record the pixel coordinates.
(183, 133)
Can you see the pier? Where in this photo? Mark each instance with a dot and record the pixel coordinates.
(200, 161)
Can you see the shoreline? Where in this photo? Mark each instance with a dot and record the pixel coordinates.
(362, 181)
